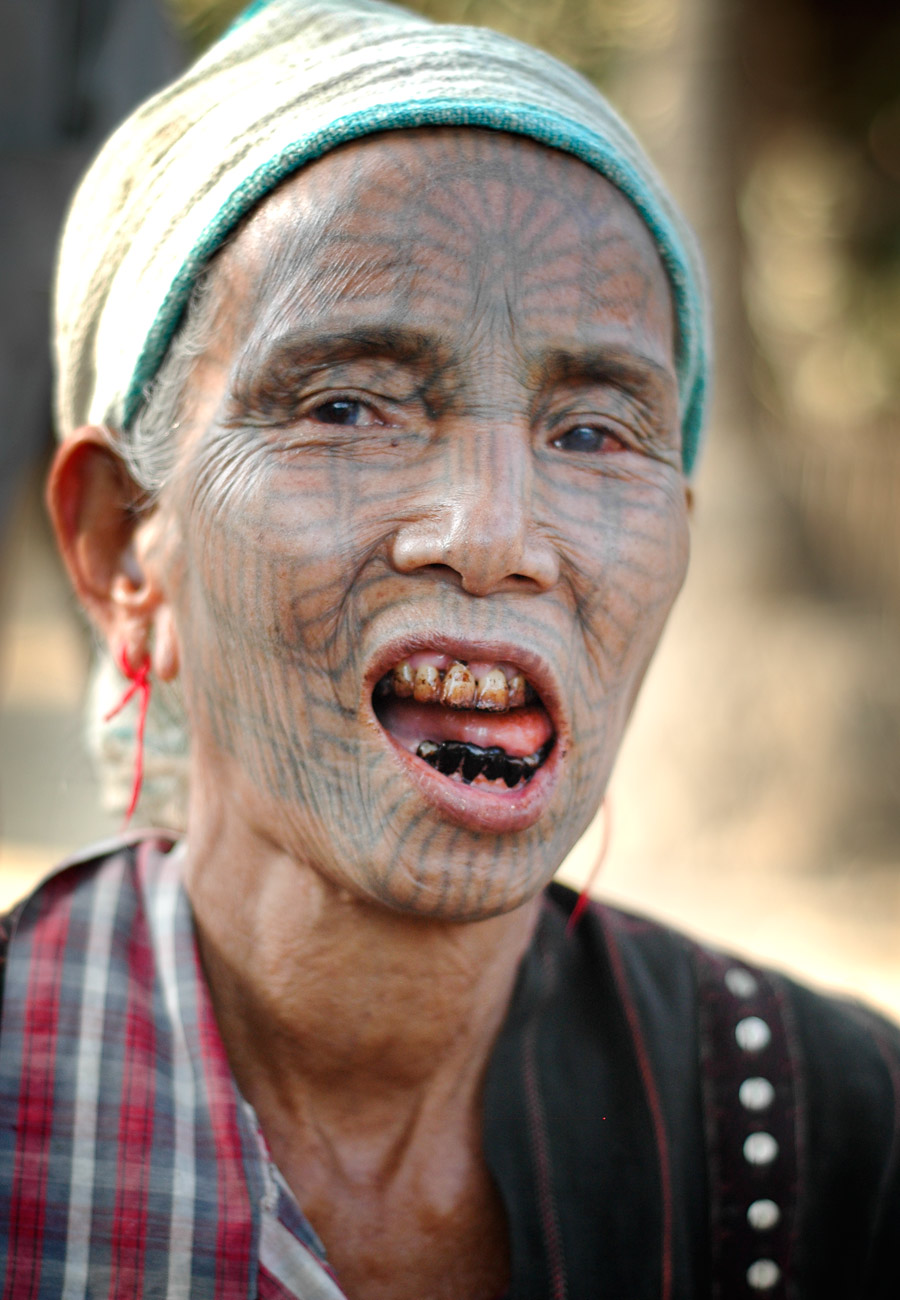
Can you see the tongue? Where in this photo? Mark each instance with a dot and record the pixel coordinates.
(520, 732)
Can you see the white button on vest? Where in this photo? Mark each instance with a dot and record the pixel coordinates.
(752, 1034)
(756, 1093)
(763, 1274)
(760, 1149)
(763, 1215)
(740, 982)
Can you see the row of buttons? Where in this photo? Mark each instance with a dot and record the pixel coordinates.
(756, 1095)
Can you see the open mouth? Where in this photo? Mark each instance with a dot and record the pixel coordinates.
(476, 723)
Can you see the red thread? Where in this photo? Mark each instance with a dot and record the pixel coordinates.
(140, 684)
(585, 896)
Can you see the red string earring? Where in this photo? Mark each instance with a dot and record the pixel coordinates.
(585, 896)
(140, 685)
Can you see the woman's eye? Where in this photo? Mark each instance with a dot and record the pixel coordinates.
(587, 437)
(342, 410)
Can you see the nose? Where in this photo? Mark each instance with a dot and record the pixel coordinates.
(482, 527)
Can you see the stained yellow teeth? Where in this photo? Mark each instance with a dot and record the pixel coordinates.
(457, 687)
(493, 692)
(403, 680)
(427, 687)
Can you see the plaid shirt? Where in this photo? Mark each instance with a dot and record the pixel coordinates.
(132, 1166)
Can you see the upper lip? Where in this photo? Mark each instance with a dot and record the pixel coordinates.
(534, 666)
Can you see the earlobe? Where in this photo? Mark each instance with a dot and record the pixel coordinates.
(95, 508)
(164, 654)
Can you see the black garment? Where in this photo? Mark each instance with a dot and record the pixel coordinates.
(616, 1130)
(619, 1062)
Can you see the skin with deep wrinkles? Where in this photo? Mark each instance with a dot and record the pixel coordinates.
(441, 397)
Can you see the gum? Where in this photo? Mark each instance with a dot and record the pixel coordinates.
(520, 732)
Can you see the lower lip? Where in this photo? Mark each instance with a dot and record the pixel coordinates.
(495, 812)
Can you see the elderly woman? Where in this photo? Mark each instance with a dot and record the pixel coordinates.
(381, 359)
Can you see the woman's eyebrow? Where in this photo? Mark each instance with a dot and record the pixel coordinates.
(624, 367)
(302, 350)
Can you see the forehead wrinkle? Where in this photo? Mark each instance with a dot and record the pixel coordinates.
(296, 252)
(325, 306)
(338, 284)
(312, 278)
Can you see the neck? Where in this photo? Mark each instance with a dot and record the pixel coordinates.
(332, 1004)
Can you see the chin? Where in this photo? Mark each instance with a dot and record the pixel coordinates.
(438, 869)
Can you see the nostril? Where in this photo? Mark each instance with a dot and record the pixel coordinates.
(415, 550)
(440, 571)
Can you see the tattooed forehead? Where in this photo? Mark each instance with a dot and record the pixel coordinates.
(419, 230)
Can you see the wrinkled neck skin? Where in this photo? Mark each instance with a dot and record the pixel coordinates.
(439, 413)
(340, 1013)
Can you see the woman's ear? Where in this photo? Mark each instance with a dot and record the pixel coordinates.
(95, 507)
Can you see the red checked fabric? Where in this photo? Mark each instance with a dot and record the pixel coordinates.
(136, 1169)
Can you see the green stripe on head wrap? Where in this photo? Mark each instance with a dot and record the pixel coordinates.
(180, 174)
(250, 12)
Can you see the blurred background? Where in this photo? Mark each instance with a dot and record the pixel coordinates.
(757, 799)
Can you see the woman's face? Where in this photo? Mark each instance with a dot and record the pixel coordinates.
(428, 518)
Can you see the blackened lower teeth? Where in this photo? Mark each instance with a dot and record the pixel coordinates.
(472, 764)
(450, 756)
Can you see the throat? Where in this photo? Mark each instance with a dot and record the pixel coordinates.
(295, 989)
(429, 1223)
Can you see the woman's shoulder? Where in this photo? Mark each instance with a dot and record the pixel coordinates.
(658, 959)
(81, 872)
(799, 1090)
